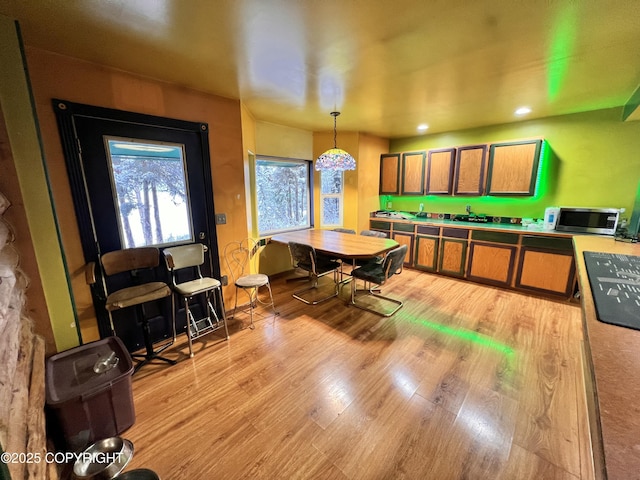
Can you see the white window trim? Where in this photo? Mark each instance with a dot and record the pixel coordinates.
(340, 197)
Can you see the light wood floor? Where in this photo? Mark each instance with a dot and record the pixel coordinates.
(464, 382)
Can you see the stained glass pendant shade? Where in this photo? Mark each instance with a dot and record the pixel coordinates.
(335, 158)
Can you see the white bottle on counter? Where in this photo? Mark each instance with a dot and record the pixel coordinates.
(551, 217)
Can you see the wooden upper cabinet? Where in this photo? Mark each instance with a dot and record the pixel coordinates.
(389, 174)
(513, 167)
(413, 173)
(471, 170)
(440, 171)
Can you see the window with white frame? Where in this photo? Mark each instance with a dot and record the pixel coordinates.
(331, 198)
(283, 194)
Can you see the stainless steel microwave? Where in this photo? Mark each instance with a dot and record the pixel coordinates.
(602, 221)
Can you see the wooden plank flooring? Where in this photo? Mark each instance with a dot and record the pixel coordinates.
(464, 382)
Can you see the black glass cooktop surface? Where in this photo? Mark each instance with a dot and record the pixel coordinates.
(615, 284)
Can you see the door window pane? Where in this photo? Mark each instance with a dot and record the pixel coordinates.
(150, 185)
(282, 194)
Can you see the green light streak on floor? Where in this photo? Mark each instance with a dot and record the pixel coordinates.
(467, 335)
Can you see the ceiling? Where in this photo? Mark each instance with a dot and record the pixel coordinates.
(386, 65)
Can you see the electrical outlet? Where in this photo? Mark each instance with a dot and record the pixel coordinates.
(224, 280)
(421, 207)
(468, 208)
(221, 219)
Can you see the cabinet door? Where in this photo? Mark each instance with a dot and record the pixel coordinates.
(413, 173)
(389, 174)
(491, 263)
(440, 171)
(405, 239)
(513, 167)
(426, 253)
(546, 271)
(453, 255)
(471, 170)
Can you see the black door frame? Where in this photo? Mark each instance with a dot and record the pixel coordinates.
(66, 112)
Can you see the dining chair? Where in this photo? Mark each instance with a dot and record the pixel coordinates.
(240, 259)
(133, 267)
(184, 265)
(343, 261)
(305, 258)
(376, 274)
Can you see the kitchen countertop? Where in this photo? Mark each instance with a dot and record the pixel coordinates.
(504, 227)
(614, 361)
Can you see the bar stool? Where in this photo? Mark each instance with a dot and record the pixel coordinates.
(133, 261)
(180, 260)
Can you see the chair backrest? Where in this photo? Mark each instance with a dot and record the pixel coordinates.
(394, 261)
(373, 233)
(344, 230)
(120, 261)
(184, 256)
(303, 256)
(239, 255)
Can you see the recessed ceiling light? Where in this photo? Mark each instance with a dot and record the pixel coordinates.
(422, 127)
(523, 111)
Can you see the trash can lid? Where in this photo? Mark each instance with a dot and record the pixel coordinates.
(86, 369)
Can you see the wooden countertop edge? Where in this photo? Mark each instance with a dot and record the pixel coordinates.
(614, 382)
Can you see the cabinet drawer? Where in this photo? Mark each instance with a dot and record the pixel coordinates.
(428, 230)
(547, 242)
(377, 225)
(403, 227)
(497, 237)
(455, 232)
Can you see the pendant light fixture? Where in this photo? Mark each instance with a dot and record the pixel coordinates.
(335, 158)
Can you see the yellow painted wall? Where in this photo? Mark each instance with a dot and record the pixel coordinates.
(370, 149)
(594, 163)
(56, 76)
(280, 141)
(50, 306)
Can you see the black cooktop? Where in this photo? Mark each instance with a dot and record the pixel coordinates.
(615, 283)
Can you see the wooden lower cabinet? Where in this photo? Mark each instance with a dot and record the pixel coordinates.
(546, 271)
(405, 239)
(491, 263)
(542, 264)
(426, 253)
(453, 256)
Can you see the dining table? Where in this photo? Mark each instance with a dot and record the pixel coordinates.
(339, 244)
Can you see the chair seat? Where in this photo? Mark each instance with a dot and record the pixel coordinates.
(194, 287)
(137, 294)
(370, 272)
(323, 265)
(252, 281)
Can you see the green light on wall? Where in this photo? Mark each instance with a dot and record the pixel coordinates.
(542, 178)
(466, 335)
(561, 49)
